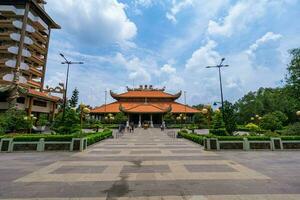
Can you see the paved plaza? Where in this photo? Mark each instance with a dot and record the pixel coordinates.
(150, 164)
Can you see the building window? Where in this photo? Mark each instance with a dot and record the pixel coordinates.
(21, 100)
(3, 96)
(40, 103)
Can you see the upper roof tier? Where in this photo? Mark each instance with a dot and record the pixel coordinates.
(145, 92)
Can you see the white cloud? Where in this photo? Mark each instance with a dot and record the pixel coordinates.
(238, 18)
(144, 3)
(168, 69)
(107, 18)
(177, 6)
(244, 73)
(204, 56)
(269, 36)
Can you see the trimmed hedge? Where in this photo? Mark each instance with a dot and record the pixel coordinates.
(218, 132)
(193, 137)
(60, 138)
(289, 138)
(229, 138)
(91, 139)
(200, 138)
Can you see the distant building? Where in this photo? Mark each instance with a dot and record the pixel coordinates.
(144, 104)
(25, 29)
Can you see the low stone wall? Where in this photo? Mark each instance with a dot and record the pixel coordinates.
(246, 145)
(77, 144)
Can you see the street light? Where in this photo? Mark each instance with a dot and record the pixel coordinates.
(220, 79)
(67, 80)
(84, 110)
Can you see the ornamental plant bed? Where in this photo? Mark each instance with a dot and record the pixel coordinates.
(25, 147)
(291, 145)
(57, 146)
(39, 142)
(260, 145)
(246, 143)
(231, 145)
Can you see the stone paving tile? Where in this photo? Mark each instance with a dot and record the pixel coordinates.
(180, 170)
(104, 152)
(79, 169)
(145, 152)
(146, 169)
(209, 168)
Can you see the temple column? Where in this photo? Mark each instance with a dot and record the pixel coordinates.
(128, 121)
(140, 121)
(151, 121)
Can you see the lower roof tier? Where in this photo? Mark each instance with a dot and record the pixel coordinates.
(151, 107)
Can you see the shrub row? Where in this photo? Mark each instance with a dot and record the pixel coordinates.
(200, 138)
(193, 137)
(91, 139)
(60, 138)
(218, 132)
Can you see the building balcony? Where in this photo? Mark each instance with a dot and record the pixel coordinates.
(34, 84)
(39, 37)
(11, 11)
(2, 62)
(6, 36)
(35, 71)
(6, 23)
(37, 22)
(4, 49)
(36, 59)
(37, 47)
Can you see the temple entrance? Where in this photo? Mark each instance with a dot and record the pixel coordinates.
(134, 118)
(146, 118)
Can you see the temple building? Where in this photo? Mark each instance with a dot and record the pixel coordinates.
(144, 105)
(24, 40)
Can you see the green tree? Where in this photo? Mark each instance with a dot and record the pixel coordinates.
(120, 118)
(200, 119)
(293, 76)
(229, 117)
(217, 122)
(281, 116)
(14, 121)
(74, 99)
(270, 122)
(70, 125)
(264, 101)
(169, 118)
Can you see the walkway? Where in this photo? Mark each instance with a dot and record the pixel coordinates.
(149, 164)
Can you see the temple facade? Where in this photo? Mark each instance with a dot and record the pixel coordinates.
(25, 29)
(144, 105)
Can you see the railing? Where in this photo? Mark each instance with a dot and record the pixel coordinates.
(9, 145)
(246, 145)
(172, 134)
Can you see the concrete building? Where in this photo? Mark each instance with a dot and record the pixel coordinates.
(25, 30)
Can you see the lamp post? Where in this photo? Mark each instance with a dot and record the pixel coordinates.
(256, 119)
(83, 110)
(220, 79)
(180, 118)
(31, 118)
(206, 111)
(67, 80)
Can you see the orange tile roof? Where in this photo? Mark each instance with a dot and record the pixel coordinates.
(145, 94)
(43, 95)
(144, 108)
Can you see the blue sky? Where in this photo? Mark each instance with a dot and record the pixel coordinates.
(169, 43)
